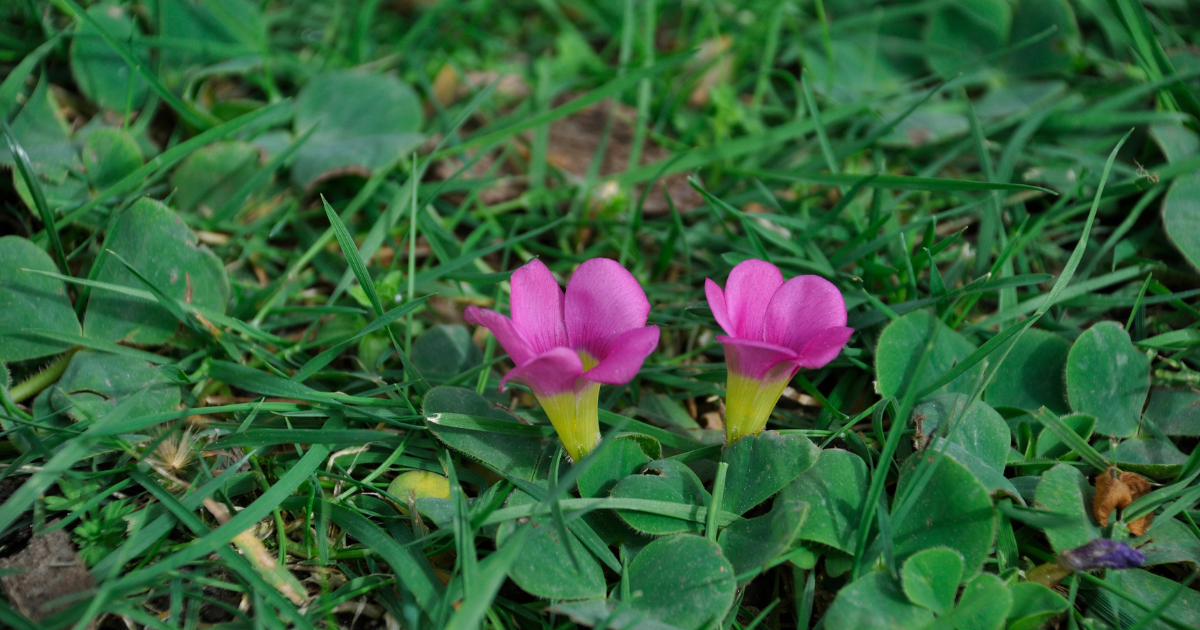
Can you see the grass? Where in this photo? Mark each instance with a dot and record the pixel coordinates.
(1003, 178)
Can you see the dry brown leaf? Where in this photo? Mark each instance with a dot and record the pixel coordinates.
(574, 140)
(508, 85)
(445, 85)
(721, 68)
(47, 570)
(1116, 489)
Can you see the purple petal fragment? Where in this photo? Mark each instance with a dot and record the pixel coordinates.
(503, 330)
(537, 307)
(824, 347)
(747, 294)
(603, 300)
(1102, 553)
(625, 356)
(801, 309)
(716, 303)
(551, 373)
(757, 359)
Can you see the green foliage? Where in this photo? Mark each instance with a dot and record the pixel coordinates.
(29, 301)
(1175, 411)
(109, 155)
(835, 488)
(518, 455)
(974, 426)
(1032, 374)
(1063, 490)
(101, 74)
(662, 480)
(154, 241)
(1108, 377)
(966, 31)
(1033, 605)
(966, 524)
(902, 345)
(545, 567)
(209, 178)
(931, 577)
(1181, 217)
(761, 465)
(363, 122)
(875, 601)
(620, 459)
(96, 382)
(240, 237)
(445, 351)
(756, 544)
(684, 581)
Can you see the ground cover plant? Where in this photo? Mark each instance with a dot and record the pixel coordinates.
(415, 314)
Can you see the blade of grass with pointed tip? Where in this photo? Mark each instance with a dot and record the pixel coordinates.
(410, 566)
(25, 168)
(350, 250)
(1072, 439)
(12, 84)
(315, 364)
(892, 182)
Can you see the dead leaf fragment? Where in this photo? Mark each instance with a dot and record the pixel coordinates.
(1117, 489)
(48, 570)
(721, 69)
(575, 139)
(445, 85)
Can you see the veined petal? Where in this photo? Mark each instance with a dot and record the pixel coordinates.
(747, 294)
(537, 307)
(756, 359)
(503, 330)
(824, 347)
(603, 300)
(803, 307)
(625, 357)
(716, 303)
(548, 374)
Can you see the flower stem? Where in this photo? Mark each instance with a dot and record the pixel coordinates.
(33, 385)
(714, 505)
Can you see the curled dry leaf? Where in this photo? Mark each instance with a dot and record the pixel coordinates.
(1117, 489)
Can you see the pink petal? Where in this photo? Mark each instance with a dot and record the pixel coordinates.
(503, 330)
(802, 308)
(747, 294)
(824, 347)
(716, 303)
(625, 357)
(603, 300)
(537, 307)
(548, 374)
(756, 359)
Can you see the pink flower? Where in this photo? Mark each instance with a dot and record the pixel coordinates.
(773, 329)
(565, 348)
